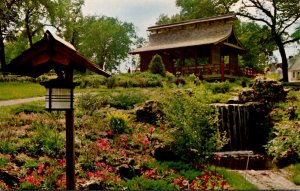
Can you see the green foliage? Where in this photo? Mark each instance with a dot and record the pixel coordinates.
(144, 79)
(126, 101)
(112, 44)
(89, 103)
(118, 122)
(194, 122)
(90, 81)
(296, 174)
(285, 146)
(6, 147)
(157, 66)
(219, 87)
(3, 162)
(28, 109)
(142, 183)
(47, 140)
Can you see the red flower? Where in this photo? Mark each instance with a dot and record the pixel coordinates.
(40, 169)
(110, 132)
(151, 129)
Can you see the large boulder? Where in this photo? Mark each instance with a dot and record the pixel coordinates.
(150, 112)
(264, 90)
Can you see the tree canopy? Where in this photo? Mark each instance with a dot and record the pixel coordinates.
(104, 40)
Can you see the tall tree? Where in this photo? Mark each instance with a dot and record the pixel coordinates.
(35, 14)
(8, 24)
(68, 19)
(279, 16)
(258, 41)
(106, 40)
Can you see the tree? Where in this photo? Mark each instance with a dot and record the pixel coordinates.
(279, 16)
(35, 14)
(194, 9)
(67, 19)
(8, 24)
(258, 41)
(106, 40)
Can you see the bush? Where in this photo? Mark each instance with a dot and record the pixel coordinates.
(47, 140)
(89, 103)
(195, 124)
(157, 66)
(285, 146)
(143, 80)
(28, 109)
(219, 87)
(126, 101)
(118, 122)
(90, 81)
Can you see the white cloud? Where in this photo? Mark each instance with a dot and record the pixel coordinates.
(142, 13)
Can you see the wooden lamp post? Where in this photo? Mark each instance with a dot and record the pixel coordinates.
(52, 52)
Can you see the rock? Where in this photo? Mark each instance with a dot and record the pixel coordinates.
(9, 179)
(93, 185)
(164, 153)
(126, 171)
(150, 112)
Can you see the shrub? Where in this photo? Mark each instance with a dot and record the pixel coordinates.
(194, 122)
(28, 109)
(90, 81)
(126, 101)
(118, 122)
(7, 147)
(157, 66)
(285, 146)
(89, 103)
(219, 87)
(47, 140)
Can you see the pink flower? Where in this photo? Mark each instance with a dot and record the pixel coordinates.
(110, 132)
(123, 152)
(98, 164)
(151, 129)
(40, 169)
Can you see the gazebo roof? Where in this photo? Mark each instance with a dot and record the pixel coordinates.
(49, 53)
(205, 31)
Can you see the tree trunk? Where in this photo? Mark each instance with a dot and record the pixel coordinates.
(2, 52)
(283, 58)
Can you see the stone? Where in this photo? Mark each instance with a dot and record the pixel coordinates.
(150, 112)
(126, 171)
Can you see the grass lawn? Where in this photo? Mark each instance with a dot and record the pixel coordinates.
(17, 90)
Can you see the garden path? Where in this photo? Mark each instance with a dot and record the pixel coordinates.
(269, 179)
(25, 100)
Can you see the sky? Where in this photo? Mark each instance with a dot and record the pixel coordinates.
(142, 13)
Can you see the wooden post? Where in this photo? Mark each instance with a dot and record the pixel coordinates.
(70, 151)
(222, 69)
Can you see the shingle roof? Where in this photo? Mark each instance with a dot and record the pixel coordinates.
(190, 33)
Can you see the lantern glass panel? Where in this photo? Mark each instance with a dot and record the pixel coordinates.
(59, 98)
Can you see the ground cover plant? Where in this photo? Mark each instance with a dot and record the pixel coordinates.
(113, 149)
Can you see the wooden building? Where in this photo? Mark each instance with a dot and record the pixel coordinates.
(207, 47)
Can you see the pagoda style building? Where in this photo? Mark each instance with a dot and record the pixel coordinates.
(206, 47)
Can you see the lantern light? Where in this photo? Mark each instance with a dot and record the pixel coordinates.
(59, 94)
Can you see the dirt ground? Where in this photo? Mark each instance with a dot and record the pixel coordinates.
(269, 179)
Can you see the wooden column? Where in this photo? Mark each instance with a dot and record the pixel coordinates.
(70, 149)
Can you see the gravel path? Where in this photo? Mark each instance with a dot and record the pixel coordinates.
(18, 101)
(269, 179)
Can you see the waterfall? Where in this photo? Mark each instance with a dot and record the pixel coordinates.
(241, 123)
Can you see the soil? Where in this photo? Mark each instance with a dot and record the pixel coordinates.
(269, 179)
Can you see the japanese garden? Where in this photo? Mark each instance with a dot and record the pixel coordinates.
(202, 103)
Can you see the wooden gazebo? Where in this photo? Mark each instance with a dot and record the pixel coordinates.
(207, 47)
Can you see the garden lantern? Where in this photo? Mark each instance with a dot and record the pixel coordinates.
(54, 53)
(59, 94)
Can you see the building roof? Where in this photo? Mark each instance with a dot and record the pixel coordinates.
(49, 53)
(190, 33)
(294, 63)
